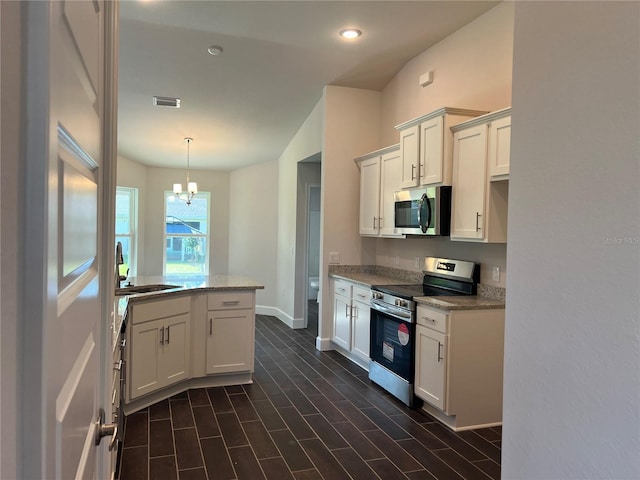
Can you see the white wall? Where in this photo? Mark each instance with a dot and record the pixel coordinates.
(306, 143)
(253, 239)
(572, 353)
(472, 69)
(351, 128)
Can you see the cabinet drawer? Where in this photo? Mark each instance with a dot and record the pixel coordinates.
(230, 300)
(160, 309)
(431, 318)
(361, 294)
(342, 288)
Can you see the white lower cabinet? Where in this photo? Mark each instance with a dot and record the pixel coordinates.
(158, 345)
(459, 362)
(431, 349)
(361, 318)
(351, 319)
(230, 332)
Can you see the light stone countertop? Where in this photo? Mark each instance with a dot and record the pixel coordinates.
(183, 286)
(489, 297)
(370, 279)
(462, 302)
(191, 283)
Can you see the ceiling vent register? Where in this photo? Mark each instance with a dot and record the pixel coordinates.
(166, 102)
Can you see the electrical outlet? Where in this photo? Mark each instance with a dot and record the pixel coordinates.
(417, 262)
(334, 257)
(495, 274)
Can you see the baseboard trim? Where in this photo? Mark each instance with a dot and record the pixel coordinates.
(288, 320)
(323, 344)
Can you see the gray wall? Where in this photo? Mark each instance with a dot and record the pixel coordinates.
(572, 356)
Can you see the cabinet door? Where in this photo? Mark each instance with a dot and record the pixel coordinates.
(145, 358)
(390, 182)
(500, 147)
(431, 366)
(361, 329)
(432, 151)
(369, 196)
(469, 183)
(230, 337)
(175, 349)
(409, 151)
(342, 321)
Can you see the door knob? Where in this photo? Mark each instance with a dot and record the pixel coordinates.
(105, 429)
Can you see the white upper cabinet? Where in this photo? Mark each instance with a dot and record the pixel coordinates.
(369, 196)
(479, 203)
(380, 178)
(426, 146)
(500, 148)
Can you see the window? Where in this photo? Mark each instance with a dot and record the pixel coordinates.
(126, 227)
(186, 235)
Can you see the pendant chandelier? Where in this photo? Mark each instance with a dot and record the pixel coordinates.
(192, 187)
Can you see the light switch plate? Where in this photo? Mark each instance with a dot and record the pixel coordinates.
(334, 257)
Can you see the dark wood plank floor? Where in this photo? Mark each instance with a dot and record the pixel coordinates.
(308, 415)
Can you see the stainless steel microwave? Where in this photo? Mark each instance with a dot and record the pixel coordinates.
(423, 211)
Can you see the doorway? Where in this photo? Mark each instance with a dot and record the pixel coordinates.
(308, 238)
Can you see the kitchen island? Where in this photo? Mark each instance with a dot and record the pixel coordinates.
(184, 332)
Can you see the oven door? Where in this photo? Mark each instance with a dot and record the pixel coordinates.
(392, 341)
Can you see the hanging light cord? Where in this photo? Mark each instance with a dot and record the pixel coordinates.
(189, 140)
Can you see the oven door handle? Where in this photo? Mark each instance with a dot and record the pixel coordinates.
(393, 312)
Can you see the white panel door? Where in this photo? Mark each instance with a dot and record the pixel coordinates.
(431, 366)
(469, 183)
(500, 147)
(230, 338)
(68, 224)
(369, 196)
(175, 351)
(432, 151)
(390, 182)
(409, 151)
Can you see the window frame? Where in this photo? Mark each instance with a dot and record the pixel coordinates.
(166, 236)
(132, 192)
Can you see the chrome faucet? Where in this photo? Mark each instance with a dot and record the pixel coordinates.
(119, 261)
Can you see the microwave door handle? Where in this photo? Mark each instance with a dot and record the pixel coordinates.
(424, 226)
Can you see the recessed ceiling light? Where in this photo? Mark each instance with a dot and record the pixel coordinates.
(350, 33)
(214, 50)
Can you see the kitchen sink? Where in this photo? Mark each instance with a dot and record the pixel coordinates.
(143, 289)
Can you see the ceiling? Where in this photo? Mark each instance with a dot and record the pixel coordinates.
(244, 106)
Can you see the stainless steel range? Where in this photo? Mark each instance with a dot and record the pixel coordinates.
(393, 321)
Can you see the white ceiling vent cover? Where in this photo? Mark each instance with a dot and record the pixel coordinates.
(166, 102)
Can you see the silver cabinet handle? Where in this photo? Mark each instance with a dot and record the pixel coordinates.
(429, 319)
(123, 343)
(346, 310)
(356, 314)
(478, 227)
(413, 172)
(374, 223)
(379, 222)
(231, 302)
(211, 326)
(168, 333)
(162, 336)
(439, 356)
(118, 366)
